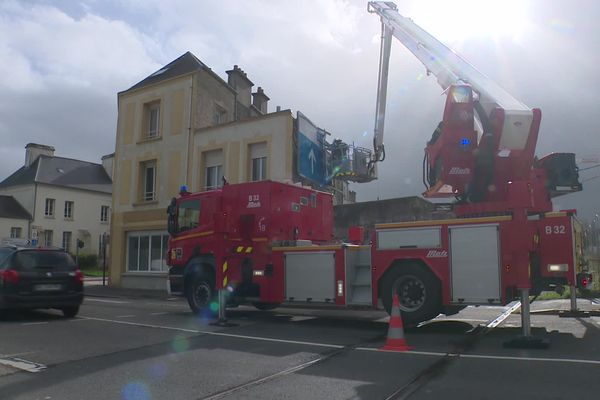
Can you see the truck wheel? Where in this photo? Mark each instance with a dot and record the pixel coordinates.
(265, 306)
(200, 295)
(418, 290)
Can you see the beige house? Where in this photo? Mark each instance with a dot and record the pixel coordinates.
(68, 199)
(184, 125)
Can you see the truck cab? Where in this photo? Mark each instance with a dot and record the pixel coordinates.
(223, 239)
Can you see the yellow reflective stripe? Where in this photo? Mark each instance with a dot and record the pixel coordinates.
(240, 249)
(193, 235)
(224, 281)
(249, 250)
(225, 266)
(442, 222)
(306, 248)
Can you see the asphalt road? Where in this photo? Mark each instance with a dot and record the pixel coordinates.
(139, 349)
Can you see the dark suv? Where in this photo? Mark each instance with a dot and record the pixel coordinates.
(39, 278)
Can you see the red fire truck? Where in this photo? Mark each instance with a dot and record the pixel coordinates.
(271, 243)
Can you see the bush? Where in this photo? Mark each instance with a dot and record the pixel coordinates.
(88, 261)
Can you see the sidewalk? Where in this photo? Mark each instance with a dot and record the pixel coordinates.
(93, 288)
(552, 307)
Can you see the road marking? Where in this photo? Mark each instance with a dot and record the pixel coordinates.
(125, 316)
(107, 301)
(420, 353)
(159, 313)
(541, 359)
(23, 353)
(510, 308)
(485, 356)
(337, 346)
(210, 333)
(35, 323)
(596, 301)
(22, 364)
(301, 318)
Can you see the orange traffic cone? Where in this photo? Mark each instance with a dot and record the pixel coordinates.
(395, 338)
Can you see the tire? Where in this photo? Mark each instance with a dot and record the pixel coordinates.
(70, 312)
(418, 290)
(200, 294)
(265, 306)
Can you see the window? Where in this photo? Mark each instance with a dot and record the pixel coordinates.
(219, 115)
(48, 260)
(213, 161)
(148, 170)
(258, 161)
(68, 210)
(147, 251)
(188, 215)
(214, 177)
(49, 210)
(104, 213)
(48, 238)
(66, 242)
(259, 169)
(152, 120)
(15, 232)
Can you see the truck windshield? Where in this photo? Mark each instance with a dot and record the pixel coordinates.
(188, 215)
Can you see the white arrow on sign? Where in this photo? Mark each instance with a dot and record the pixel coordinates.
(312, 159)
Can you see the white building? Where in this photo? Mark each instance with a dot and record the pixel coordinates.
(68, 199)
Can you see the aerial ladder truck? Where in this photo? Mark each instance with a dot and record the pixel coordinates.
(271, 243)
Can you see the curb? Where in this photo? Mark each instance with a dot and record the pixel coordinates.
(124, 296)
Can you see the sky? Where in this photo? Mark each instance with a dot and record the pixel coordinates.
(63, 62)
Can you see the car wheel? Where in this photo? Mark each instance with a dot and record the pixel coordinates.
(200, 295)
(418, 291)
(70, 312)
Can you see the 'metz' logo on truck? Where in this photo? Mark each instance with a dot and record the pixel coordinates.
(459, 171)
(253, 201)
(437, 254)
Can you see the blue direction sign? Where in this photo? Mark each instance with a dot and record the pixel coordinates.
(311, 163)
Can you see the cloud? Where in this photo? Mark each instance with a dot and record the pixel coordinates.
(59, 77)
(62, 66)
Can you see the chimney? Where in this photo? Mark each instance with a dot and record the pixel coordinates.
(107, 163)
(34, 150)
(260, 100)
(238, 80)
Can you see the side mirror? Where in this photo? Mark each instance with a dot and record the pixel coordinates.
(171, 216)
(171, 206)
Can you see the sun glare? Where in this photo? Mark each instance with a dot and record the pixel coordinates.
(458, 20)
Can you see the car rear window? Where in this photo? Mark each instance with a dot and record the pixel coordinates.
(55, 260)
(4, 252)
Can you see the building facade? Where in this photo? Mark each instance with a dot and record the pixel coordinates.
(14, 219)
(184, 125)
(67, 199)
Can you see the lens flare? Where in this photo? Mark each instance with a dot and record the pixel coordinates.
(180, 344)
(135, 391)
(158, 371)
